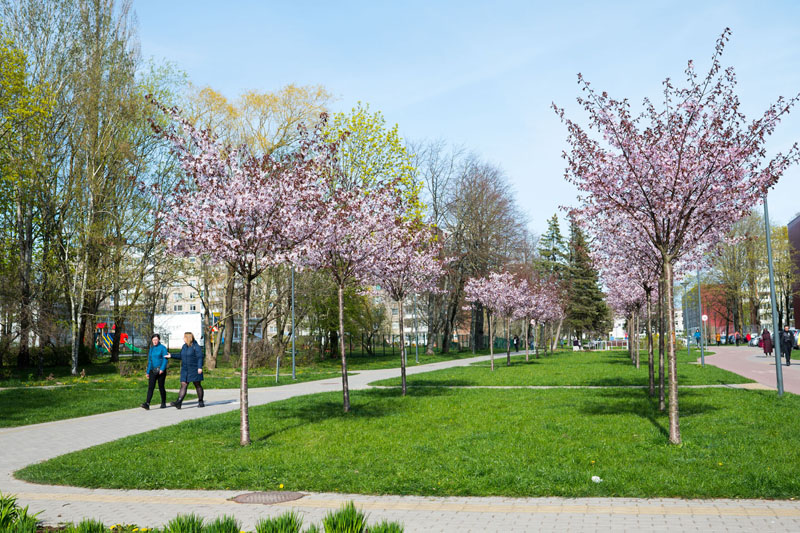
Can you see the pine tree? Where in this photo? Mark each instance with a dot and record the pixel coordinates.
(552, 249)
(586, 307)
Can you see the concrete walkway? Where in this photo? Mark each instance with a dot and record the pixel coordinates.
(750, 362)
(24, 445)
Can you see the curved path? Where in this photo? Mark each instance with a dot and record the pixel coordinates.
(24, 445)
(750, 362)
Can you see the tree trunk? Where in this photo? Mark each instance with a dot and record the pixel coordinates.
(229, 287)
(25, 242)
(636, 330)
(118, 323)
(674, 422)
(650, 365)
(661, 400)
(557, 336)
(345, 388)
(508, 344)
(433, 326)
(244, 406)
(491, 343)
(527, 344)
(402, 348)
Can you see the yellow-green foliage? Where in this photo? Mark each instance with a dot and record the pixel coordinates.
(373, 154)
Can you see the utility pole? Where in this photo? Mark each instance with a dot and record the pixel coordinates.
(775, 331)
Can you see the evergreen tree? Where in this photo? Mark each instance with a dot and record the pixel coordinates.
(552, 249)
(586, 307)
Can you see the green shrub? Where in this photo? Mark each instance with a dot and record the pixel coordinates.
(87, 526)
(185, 523)
(14, 518)
(223, 524)
(289, 522)
(386, 527)
(348, 519)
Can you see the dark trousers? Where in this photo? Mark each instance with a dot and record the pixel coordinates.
(161, 378)
(788, 353)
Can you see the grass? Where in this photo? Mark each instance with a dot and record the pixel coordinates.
(476, 442)
(611, 368)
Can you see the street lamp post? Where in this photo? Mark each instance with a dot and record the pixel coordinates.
(294, 372)
(775, 332)
(685, 310)
(700, 314)
(416, 331)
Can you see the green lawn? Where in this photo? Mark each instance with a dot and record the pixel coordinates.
(611, 368)
(439, 441)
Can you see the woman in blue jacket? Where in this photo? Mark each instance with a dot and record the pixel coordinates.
(156, 371)
(191, 357)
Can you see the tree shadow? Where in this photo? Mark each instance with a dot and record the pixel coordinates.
(638, 402)
(369, 404)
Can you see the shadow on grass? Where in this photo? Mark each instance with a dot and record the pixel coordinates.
(638, 402)
(364, 405)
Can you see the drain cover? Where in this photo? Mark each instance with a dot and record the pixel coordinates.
(267, 498)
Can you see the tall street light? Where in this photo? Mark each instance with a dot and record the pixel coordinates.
(685, 311)
(700, 314)
(294, 372)
(775, 331)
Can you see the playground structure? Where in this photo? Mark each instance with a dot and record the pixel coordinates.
(104, 339)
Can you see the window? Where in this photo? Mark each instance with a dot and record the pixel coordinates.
(177, 308)
(394, 311)
(192, 295)
(192, 307)
(178, 296)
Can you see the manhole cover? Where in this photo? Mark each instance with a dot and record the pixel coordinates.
(267, 498)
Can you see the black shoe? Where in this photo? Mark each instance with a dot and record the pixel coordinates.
(163, 406)
(200, 403)
(176, 405)
(145, 406)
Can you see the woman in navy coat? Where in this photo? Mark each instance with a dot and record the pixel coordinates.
(191, 358)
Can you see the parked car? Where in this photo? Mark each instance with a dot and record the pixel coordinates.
(754, 340)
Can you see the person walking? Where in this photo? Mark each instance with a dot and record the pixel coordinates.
(766, 342)
(156, 371)
(697, 337)
(737, 338)
(719, 337)
(516, 343)
(191, 358)
(747, 338)
(787, 341)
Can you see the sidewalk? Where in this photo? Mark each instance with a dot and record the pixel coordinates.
(24, 445)
(749, 361)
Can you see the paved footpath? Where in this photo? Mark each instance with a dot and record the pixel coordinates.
(750, 362)
(29, 444)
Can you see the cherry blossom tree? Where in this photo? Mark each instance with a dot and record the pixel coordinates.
(681, 175)
(538, 301)
(248, 211)
(349, 241)
(496, 292)
(409, 263)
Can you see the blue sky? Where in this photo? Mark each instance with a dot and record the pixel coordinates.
(483, 74)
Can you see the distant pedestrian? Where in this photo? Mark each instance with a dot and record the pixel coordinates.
(719, 338)
(737, 338)
(516, 343)
(748, 339)
(697, 337)
(156, 371)
(787, 341)
(766, 342)
(191, 358)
